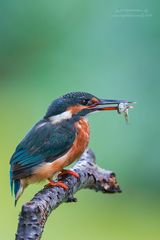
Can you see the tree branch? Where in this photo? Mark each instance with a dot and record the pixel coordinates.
(34, 214)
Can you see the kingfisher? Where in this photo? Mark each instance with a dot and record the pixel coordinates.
(55, 141)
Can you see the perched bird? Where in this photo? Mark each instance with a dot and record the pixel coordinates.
(56, 141)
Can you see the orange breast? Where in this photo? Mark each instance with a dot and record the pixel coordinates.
(82, 139)
(80, 144)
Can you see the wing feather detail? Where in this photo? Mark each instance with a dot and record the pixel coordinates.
(43, 143)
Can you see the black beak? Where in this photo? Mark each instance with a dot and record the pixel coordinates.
(111, 101)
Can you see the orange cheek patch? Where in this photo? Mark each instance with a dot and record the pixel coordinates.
(75, 109)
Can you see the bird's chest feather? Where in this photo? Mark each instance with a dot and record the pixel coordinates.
(79, 145)
(82, 139)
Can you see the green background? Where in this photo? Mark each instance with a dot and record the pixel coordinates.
(107, 48)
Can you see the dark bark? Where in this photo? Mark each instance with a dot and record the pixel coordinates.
(34, 214)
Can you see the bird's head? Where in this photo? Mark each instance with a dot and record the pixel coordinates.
(79, 104)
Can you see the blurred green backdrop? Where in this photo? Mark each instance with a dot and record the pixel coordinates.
(110, 49)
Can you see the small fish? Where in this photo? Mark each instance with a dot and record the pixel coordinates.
(123, 108)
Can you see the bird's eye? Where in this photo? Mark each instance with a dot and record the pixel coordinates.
(85, 101)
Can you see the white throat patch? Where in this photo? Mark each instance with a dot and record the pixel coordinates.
(60, 117)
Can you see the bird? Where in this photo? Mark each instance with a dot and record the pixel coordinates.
(55, 141)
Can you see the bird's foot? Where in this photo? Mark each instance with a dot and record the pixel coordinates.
(56, 184)
(70, 172)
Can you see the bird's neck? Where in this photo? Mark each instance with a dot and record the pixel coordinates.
(67, 115)
(60, 117)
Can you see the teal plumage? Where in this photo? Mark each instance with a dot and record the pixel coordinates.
(45, 142)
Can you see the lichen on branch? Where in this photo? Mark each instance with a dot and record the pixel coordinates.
(34, 214)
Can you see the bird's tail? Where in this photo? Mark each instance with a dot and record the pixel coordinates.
(16, 187)
(18, 190)
(11, 181)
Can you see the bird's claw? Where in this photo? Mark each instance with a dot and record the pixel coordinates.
(70, 172)
(56, 184)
